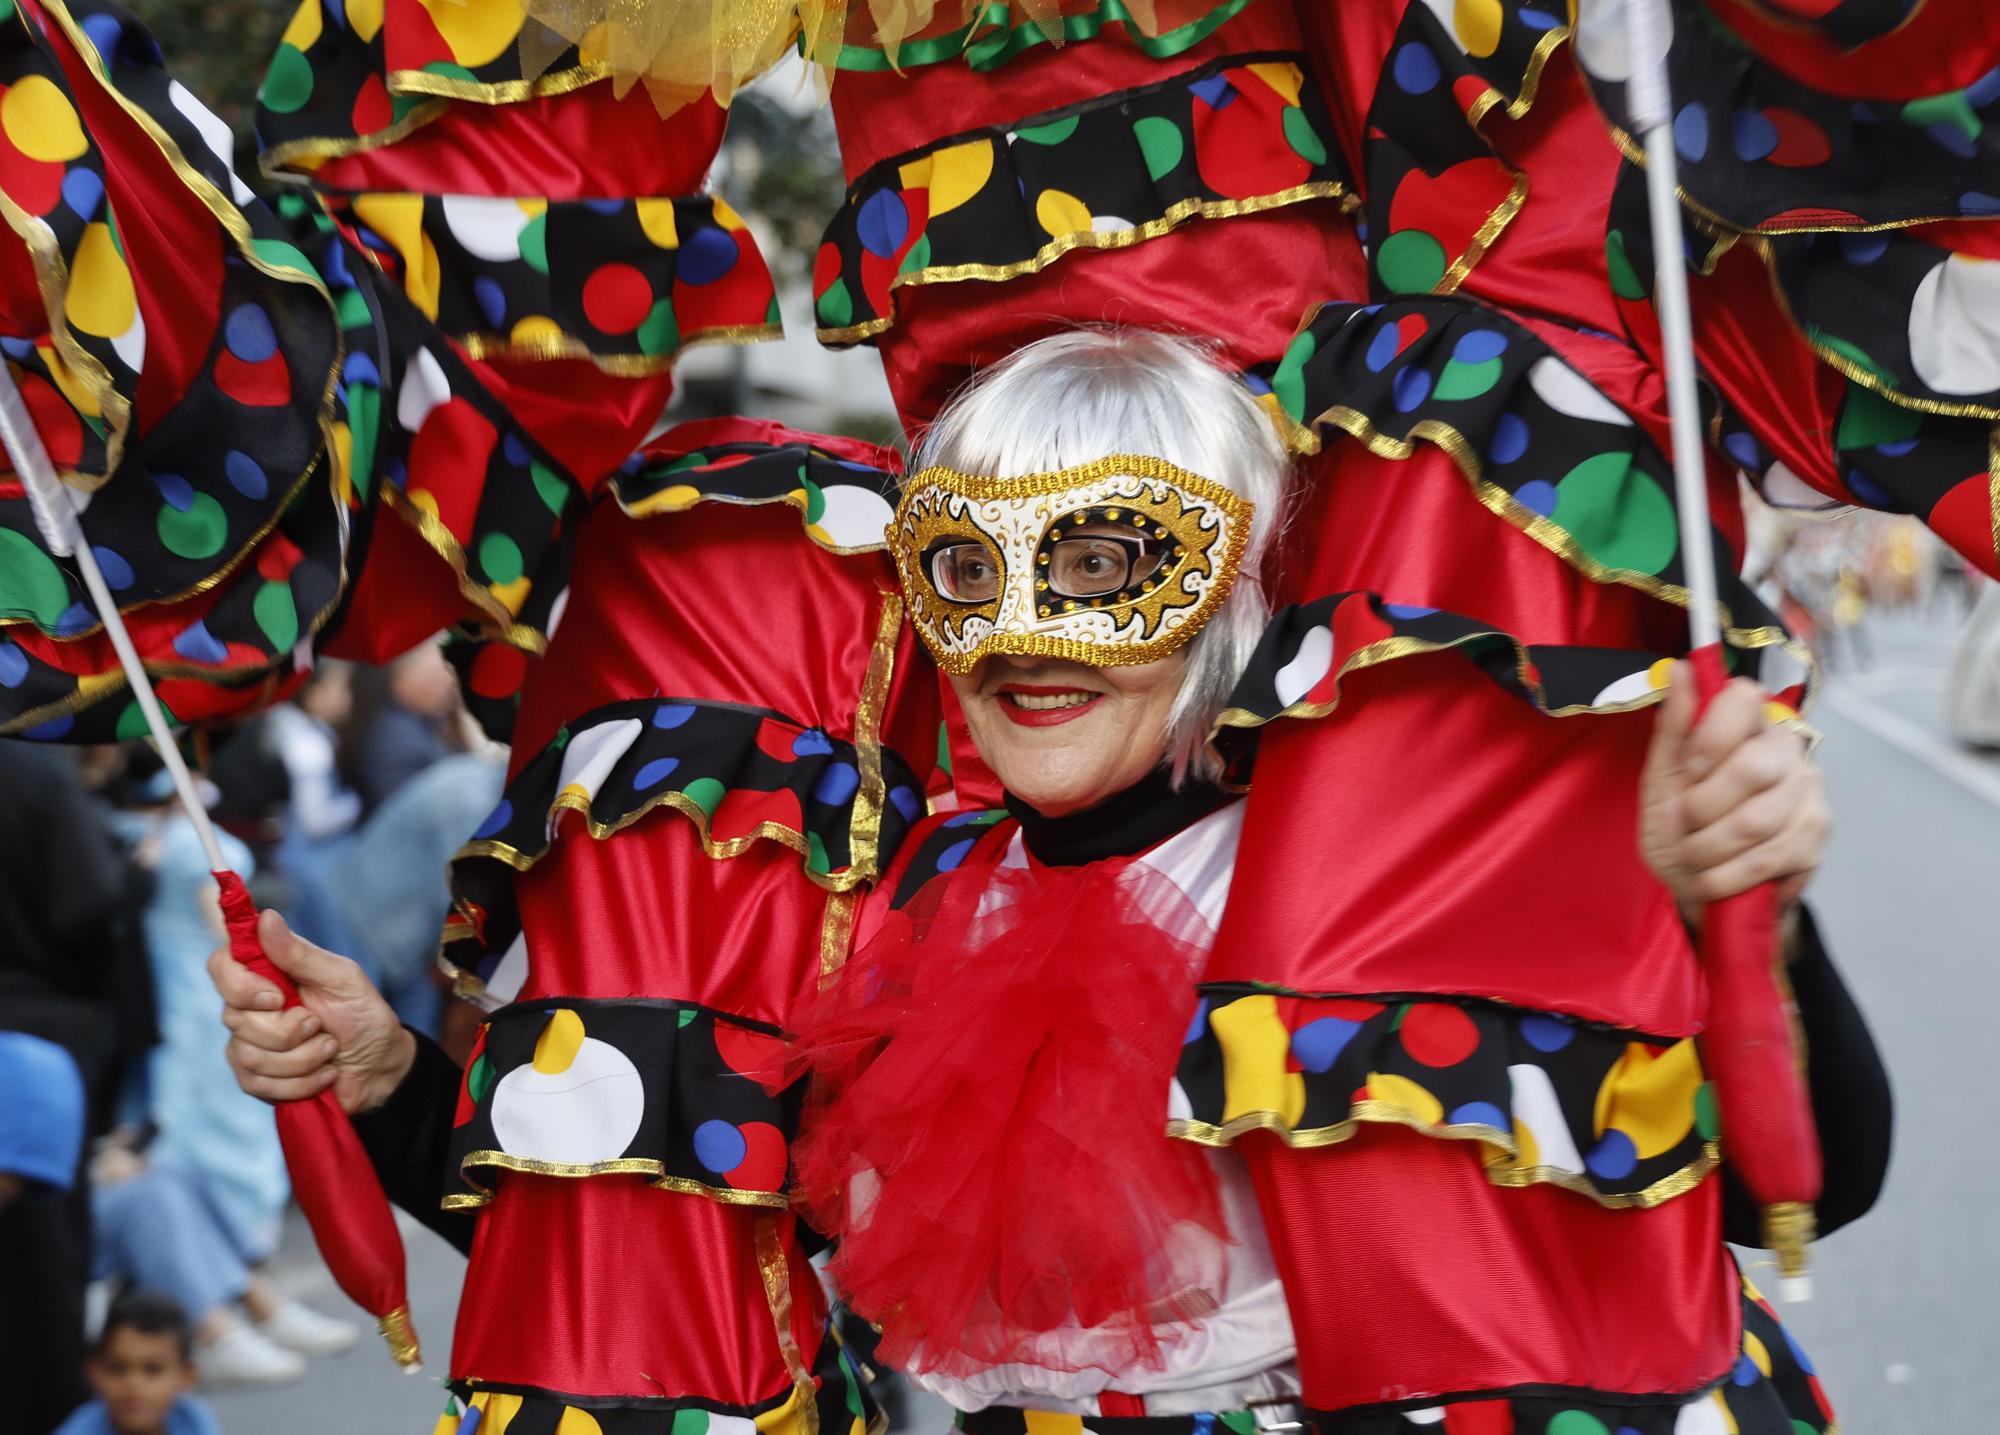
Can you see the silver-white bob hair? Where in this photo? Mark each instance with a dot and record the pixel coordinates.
(1077, 396)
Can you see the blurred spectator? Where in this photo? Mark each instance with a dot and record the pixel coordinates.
(322, 810)
(1973, 700)
(403, 721)
(70, 974)
(143, 1371)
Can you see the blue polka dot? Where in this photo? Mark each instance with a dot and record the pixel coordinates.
(1257, 384)
(76, 618)
(1319, 1043)
(967, 817)
(1411, 387)
(198, 645)
(468, 1423)
(1510, 439)
(1742, 448)
(105, 33)
(1382, 349)
(906, 801)
(1975, 201)
(812, 743)
(1901, 448)
(83, 191)
(1863, 248)
(515, 451)
(360, 369)
(245, 474)
(604, 206)
(1949, 137)
(1198, 1023)
(333, 266)
(1416, 68)
(655, 772)
(1538, 496)
(1870, 492)
(1481, 346)
(1479, 1113)
(719, 1146)
(13, 666)
(1798, 1352)
(117, 572)
(672, 715)
(1546, 1033)
(248, 333)
(883, 223)
(1752, 136)
(705, 256)
(1691, 133)
(1982, 91)
(17, 348)
(1215, 92)
(51, 730)
(949, 859)
(1537, 19)
(837, 784)
(1613, 1158)
(177, 491)
(1746, 1373)
(1407, 610)
(492, 300)
(496, 820)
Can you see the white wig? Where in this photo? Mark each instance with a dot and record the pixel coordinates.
(1077, 396)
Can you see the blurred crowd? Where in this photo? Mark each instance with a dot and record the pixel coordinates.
(133, 1172)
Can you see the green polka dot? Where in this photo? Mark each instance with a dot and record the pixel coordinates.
(1625, 280)
(535, 243)
(197, 533)
(288, 84)
(290, 204)
(450, 71)
(661, 332)
(1800, 1427)
(277, 615)
(1241, 1422)
(706, 793)
(684, 1017)
(1467, 381)
(1617, 514)
(1577, 1422)
(689, 1422)
(1952, 108)
(277, 254)
(364, 426)
(30, 583)
(1853, 353)
(480, 1079)
(551, 487)
(1410, 262)
(1867, 419)
(1161, 145)
(919, 257)
(132, 721)
(1707, 1115)
(351, 310)
(1302, 137)
(6, 11)
(401, 105)
(815, 497)
(1289, 382)
(773, 316)
(816, 858)
(944, 750)
(835, 306)
(500, 558)
(686, 461)
(1055, 132)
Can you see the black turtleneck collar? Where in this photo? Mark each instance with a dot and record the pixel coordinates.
(1143, 815)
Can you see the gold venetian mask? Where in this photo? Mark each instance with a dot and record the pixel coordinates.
(1113, 562)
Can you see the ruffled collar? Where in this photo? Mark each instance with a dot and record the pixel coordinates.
(1142, 816)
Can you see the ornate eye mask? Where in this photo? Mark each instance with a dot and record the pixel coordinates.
(1117, 561)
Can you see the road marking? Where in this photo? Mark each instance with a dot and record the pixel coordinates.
(1970, 774)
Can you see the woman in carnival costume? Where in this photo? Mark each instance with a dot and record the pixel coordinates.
(1457, 1040)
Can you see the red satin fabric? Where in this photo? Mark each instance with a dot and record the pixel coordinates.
(588, 420)
(983, 1135)
(1410, 1274)
(608, 1287)
(1942, 45)
(1498, 858)
(404, 595)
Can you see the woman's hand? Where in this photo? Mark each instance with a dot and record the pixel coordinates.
(1731, 804)
(342, 1035)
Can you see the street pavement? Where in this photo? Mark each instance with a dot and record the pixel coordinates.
(1905, 1326)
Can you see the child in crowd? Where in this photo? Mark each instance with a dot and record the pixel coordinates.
(143, 1371)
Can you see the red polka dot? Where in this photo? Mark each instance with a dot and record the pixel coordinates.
(1964, 518)
(1346, 1008)
(617, 299)
(763, 1165)
(55, 420)
(372, 108)
(826, 268)
(34, 184)
(755, 1054)
(498, 671)
(277, 556)
(774, 740)
(1801, 143)
(742, 810)
(259, 386)
(1240, 149)
(448, 460)
(1438, 1034)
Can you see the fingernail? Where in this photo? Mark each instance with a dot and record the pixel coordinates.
(267, 1001)
(311, 1025)
(328, 1045)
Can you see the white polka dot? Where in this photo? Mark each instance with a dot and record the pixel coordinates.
(424, 387)
(853, 517)
(130, 346)
(1628, 689)
(507, 979)
(487, 228)
(1537, 1111)
(1179, 1108)
(588, 759)
(1955, 326)
(1782, 488)
(1110, 224)
(1434, 1415)
(1703, 1417)
(1299, 676)
(587, 1112)
(1570, 393)
(214, 133)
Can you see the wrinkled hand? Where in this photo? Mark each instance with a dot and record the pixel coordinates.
(343, 1034)
(1731, 804)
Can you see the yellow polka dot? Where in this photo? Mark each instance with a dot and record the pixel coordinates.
(513, 596)
(41, 121)
(1061, 214)
(100, 300)
(533, 205)
(1650, 1098)
(1729, 1424)
(364, 18)
(1527, 1150)
(343, 462)
(1044, 1422)
(478, 32)
(399, 218)
(498, 1410)
(1759, 1356)
(1402, 1092)
(80, 397)
(536, 329)
(557, 1046)
(1660, 675)
(958, 173)
(782, 1421)
(1254, 1047)
(1286, 78)
(578, 1422)
(726, 216)
(916, 174)
(1478, 25)
(425, 501)
(1775, 711)
(448, 1424)
(305, 26)
(656, 218)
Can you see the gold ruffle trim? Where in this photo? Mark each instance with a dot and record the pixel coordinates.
(623, 1166)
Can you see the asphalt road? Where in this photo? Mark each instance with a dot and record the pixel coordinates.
(1905, 1328)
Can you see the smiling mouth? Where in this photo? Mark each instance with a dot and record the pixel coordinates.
(1048, 702)
(1044, 707)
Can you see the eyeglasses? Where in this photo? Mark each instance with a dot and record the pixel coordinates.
(1089, 565)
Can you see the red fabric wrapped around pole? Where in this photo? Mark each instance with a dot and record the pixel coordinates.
(331, 1174)
(1751, 1050)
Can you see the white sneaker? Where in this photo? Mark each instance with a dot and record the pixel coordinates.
(301, 1328)
(240, 1356)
